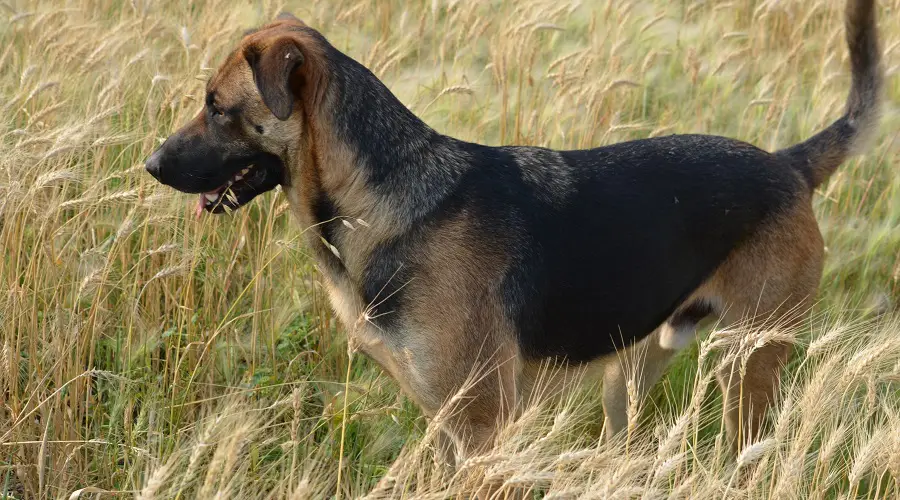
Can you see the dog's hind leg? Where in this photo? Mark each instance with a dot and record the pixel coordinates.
(628, 377)
(643, 364)
(769, 283)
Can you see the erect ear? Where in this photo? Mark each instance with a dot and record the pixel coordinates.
(272, 66)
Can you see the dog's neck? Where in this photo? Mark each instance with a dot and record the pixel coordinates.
(403, 160)
(372, 169)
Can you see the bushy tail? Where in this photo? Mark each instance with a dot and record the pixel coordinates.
(819, 156)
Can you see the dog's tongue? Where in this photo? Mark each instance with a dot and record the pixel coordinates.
(201, 202)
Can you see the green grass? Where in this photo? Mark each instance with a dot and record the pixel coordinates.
(144, 350)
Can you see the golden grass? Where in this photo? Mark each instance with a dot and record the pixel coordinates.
(150, 354)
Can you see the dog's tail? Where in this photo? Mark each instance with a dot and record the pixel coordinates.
(819, 156)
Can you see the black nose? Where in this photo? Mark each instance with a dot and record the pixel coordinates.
(153, 165)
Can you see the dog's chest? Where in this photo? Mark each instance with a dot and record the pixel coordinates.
(342, 248)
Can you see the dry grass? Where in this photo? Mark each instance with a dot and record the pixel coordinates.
(149, 354)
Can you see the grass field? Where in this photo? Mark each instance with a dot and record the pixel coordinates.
(147, 353)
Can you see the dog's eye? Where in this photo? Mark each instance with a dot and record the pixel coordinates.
(258, 128)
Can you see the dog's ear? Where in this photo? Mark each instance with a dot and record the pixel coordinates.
(273, 66)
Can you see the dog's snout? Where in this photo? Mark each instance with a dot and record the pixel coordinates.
(154, 165)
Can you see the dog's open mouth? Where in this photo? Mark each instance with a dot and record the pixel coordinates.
(248, 183)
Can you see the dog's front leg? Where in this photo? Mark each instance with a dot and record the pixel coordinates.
(466, 398)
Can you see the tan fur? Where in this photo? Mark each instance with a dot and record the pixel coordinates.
(773, 279)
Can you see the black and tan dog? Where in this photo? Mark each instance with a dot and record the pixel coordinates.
(440, 254)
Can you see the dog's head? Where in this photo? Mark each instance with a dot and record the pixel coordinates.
(253, 121)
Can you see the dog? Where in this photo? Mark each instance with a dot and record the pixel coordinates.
(441, 255)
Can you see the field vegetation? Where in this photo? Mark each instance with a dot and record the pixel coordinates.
(147, 353)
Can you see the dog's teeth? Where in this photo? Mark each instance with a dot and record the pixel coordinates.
(238, 177)
(245, 171)
(212, 196)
